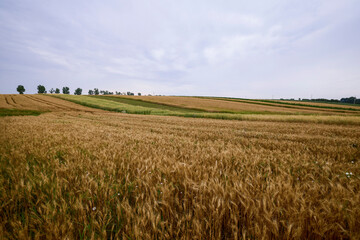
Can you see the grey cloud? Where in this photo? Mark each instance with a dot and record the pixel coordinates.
(233, 48)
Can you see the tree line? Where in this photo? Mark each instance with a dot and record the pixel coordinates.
(106, 92)
(78, 91)
(352, 100)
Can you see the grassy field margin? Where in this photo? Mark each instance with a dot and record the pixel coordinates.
(5, 112)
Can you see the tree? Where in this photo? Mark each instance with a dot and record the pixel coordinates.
(91, 92)
(139, 94)
(20, 89)
(52, 91)
(41, 89)
(66, 90)
(78, 91)
(57, 90)
(352, 100)
(96, 91)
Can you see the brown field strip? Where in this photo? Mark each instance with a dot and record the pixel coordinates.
(116, 176)
(47, 104)
(41, 103)
(48, 101)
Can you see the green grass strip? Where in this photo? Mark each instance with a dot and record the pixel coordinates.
(149, 104)
(4, 112)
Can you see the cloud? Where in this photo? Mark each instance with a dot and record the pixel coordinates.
(158, 54)
(205, 47)
(52, 57)
(240, 46)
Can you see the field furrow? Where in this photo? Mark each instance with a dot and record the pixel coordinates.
(13, 100)
(47, 104)
(8, 102)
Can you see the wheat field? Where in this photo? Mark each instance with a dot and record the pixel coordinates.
(40, 102)
(101, 175)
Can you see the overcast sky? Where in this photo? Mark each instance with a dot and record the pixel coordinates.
(251, 49)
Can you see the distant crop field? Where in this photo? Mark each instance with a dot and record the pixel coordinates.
(243, 106)
(87, 169)
(39, 102)
(117, 104)
(165, 106)
(152, 104)
(296, 106)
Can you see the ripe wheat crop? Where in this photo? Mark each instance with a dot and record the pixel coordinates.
(40, 102)
(120, 176)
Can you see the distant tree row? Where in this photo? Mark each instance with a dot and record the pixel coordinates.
(349, 100)
(42, 89)
(352, 100)
(106, 92)
(78, 91)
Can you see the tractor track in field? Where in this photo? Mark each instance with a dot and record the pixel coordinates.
(13, 99)
(48, 103)
(59, 106)
(17, 104)
(9, 103)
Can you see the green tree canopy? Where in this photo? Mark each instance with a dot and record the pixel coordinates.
(66, 90)
(41, 89)
(20, 89)
(78, 91)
